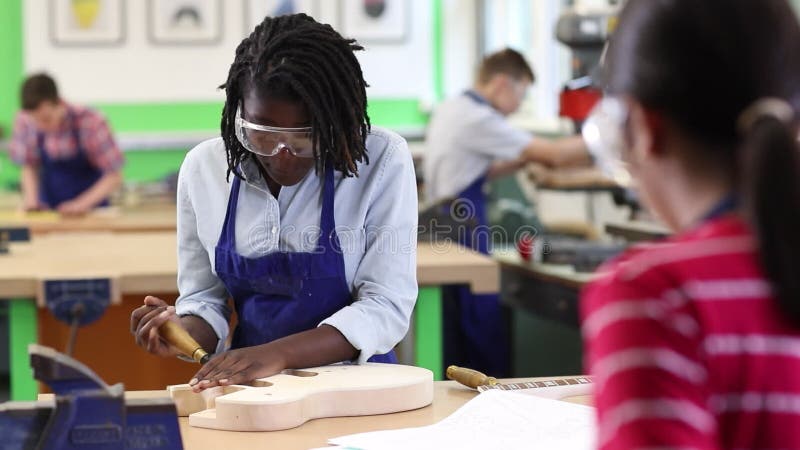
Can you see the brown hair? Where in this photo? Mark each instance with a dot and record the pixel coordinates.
(36, 90)
(505, 62)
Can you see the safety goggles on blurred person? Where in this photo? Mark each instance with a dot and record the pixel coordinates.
(604, 134)
(269, 141)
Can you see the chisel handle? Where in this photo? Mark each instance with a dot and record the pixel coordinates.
(179, 338)
(469, 377)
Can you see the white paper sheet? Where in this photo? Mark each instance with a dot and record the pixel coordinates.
(492, 420)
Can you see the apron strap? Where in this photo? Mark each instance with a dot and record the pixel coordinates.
(228, 233)
(327, 222)
(43, 157)
(76, 133)
(477, 98)
(728, 204)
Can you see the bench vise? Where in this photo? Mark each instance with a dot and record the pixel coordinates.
(86, 413)
(12, 234)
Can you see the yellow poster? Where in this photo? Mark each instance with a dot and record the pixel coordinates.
(85, 12)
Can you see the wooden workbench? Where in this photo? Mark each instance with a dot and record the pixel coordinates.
(448, 396)
(157, 217)
(146, 263)
(560, 274)
(637, 231)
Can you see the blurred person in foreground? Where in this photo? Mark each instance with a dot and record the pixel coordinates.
(695, 342)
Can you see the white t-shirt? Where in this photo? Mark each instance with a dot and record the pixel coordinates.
(464, 137)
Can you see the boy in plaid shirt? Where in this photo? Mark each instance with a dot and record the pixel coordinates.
(70, 161)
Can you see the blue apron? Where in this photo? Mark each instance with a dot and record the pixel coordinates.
(284, 293)
(61, 180)
(484, 339)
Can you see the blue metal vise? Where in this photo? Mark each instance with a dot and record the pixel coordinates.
(13, 234)
(86, 412)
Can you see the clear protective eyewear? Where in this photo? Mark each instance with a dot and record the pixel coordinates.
(269, 141)
(604, 134)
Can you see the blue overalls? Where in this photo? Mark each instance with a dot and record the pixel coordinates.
(284, 293)
(726, 205)
(485, 340)
(61, 180)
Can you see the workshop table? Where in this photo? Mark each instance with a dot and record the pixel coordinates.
(146, 264)
(117, 219)
(448, 396)
(637, 231)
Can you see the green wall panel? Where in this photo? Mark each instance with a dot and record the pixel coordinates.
(161, 117)
(204, 116)
(438, 50)
(11, 57)
(148, 166)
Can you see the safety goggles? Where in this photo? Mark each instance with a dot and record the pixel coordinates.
(269, 141)
(604, 134)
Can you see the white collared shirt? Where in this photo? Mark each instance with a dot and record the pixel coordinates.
(376, 220)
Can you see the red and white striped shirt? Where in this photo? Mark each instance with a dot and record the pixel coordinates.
(689, 349)
(93, 131)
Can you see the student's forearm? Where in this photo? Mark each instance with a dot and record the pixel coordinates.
(503, 168)
(572, 152)
(316, 347)
(29, 183)
(564, 152)
(103, 188)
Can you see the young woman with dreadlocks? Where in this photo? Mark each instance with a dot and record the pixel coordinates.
(301, 212)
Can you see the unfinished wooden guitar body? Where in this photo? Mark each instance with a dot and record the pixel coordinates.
(291, 398)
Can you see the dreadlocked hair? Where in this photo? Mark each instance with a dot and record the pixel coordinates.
(296, 58)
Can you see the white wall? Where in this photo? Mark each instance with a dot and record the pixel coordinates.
(529, 27)
(402, 71)
(550, 59)
(139, 71)
(459, 44)
(136, 71)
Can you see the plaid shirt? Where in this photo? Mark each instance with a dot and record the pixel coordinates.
(95, 138)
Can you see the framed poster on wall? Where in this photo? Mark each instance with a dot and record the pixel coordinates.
(256, 10)
(86, 23)
(375, 21)
(184, 22)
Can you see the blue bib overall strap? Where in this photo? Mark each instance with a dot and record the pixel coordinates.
(482, 343)
(728, 204)
(478, 98)
(284, 293)
(61, 180)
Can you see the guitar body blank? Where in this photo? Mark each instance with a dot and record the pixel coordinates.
(293, 397)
